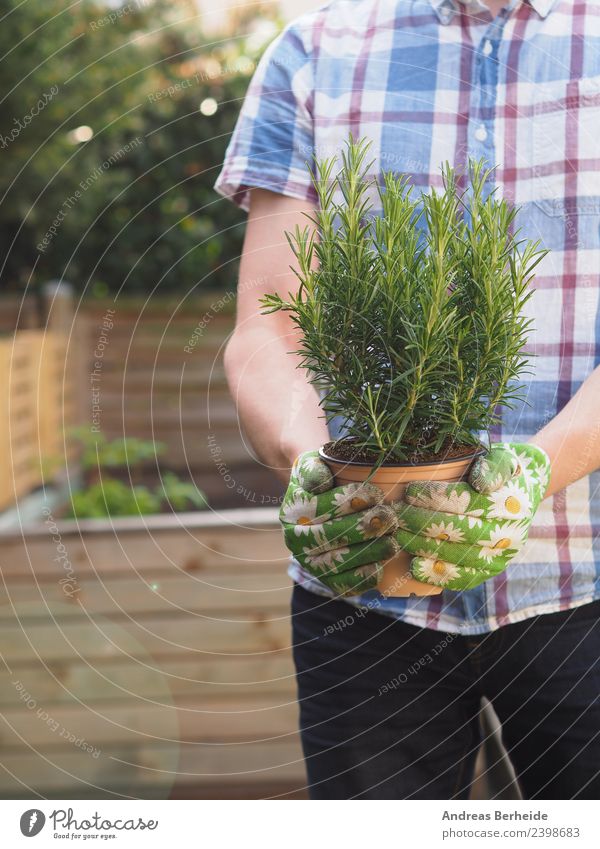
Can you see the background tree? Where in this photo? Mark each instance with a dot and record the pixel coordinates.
(131, 206)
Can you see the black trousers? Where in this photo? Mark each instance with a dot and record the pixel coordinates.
(391, 711)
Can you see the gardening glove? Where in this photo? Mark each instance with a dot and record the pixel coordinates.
(461, 534)
(342, 534)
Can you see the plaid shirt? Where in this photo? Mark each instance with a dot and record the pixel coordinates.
(435, 80)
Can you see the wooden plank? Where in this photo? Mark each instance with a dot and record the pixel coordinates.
(170, 594)
(124, 560)
(22, 387)
(203, 393)
(45, 399)
(122, 679)
(161, 325)
(17, 311)
(230, 521)
(155, 636)
(54, 384)
(197, 394)
(178, 309)
(31, 377)
(184, 721)
(245, 540)
(297, 789)
(132, 771)
(5, 477)
(137, 361)
(176, 423)
(141, 349)
(125, 557)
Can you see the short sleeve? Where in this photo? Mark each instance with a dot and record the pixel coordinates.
(273, 138)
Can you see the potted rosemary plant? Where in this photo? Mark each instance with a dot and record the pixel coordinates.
(412, 321)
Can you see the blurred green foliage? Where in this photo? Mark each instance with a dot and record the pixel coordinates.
(97, 452)
(133, 206)
(106, 496)
(113, 498)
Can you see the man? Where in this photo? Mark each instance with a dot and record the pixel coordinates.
(390, 688)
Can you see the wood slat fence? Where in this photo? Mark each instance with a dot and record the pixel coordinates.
(151, 386)
(126, 368)
(36, 400)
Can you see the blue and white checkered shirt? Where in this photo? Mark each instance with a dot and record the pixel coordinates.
(435, 80)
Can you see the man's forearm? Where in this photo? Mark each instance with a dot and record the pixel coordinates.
(278, 407)
(572, 438)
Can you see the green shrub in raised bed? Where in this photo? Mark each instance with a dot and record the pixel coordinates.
(106, 496)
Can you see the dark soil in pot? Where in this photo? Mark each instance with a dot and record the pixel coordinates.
(350, 451)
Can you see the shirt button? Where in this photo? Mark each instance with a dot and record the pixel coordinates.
(481, 133)
(487, 47)
(447, 11)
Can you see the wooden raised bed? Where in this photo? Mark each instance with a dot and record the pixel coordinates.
(148, 659)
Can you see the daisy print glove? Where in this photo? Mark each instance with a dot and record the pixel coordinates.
(461, 534)
(340, 535)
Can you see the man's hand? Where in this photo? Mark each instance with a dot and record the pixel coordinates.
(341, 535)
(461, 534)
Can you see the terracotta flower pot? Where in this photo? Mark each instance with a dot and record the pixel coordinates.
(393, 480)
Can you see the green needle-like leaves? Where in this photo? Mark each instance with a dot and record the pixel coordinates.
(412, 319)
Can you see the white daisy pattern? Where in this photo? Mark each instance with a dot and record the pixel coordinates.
(509, 502)
(450, 501)
(474, 519)
(504, 537)
(526, 469)
(327, 559)
(343, 499)
(437, 572)
(444, 532)
(321, 542)
(543, 477)
(301, 513)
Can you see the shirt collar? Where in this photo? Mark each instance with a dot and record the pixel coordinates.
(446, 9)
